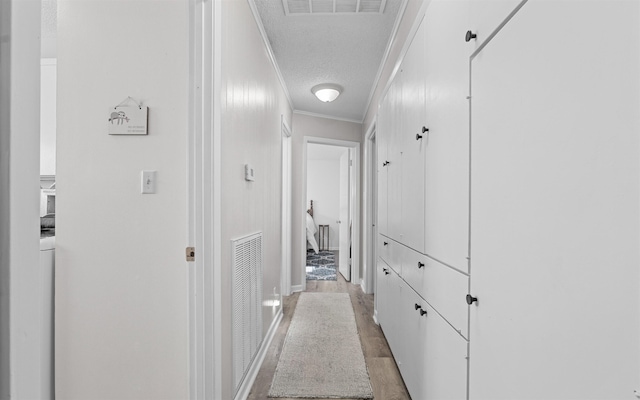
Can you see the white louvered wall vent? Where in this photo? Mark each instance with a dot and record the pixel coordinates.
(247, 303)
(305, 7)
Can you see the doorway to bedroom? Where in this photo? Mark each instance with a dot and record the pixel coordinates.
(331, 209)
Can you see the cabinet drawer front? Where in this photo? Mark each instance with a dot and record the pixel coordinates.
(443, 287)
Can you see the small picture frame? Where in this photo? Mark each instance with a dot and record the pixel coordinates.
(128, 120)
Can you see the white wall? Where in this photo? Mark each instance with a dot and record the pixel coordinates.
(253, 102)
(323, 187)
(305, 125)
(19, 199)
(121, 277)
(48, 116)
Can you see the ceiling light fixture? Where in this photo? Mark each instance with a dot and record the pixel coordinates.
(326, 92)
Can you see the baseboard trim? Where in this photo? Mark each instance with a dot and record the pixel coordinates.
(363, 286)
(249, 379)
(296, 288)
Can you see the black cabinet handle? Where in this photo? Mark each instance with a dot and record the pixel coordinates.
(385, 243)
(384, 164)
(386, 271)
(422, 312)
(420, 264)
(424, 130)
(418, 306)
(471, 299)
(470, 35)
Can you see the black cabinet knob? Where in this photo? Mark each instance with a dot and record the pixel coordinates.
(385, 243)
(470, 35)
(420, 264)
(418, 306)
(386, 271)
(424, 130)
(422, 312)
(471, 299)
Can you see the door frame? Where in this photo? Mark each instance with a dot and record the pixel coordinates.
(355, 232)
(20, 357)
(285, 285)
(369, 210)
(203, 205)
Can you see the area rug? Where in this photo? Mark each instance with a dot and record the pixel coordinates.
(322, 355)
(321, 266)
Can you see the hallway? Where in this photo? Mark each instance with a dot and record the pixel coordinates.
(385, 378)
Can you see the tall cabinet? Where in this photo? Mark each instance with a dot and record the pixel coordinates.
(509, 192)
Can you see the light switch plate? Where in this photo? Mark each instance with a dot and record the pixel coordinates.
(249, 173)
(148, 182)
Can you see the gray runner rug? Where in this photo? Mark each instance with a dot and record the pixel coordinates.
(322, 355)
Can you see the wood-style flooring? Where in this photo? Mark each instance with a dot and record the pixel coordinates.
(385, 378)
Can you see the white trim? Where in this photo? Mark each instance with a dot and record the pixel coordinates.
(368, 221)
(205, 330)
(385, 57)
(267, 45)
(287, 214)
(355, 233)
(296, 288)
(245, 387)
(310, 114)
(20, 323)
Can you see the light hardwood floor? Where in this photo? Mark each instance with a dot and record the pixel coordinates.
(385, 377)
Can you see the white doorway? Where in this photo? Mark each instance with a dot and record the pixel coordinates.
(345, 213)
(286, 209)
(370, 212)
(344, 222)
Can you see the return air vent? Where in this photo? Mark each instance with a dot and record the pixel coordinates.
(326, 7)
(247, 303)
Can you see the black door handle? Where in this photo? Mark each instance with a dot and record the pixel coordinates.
(424, 130)
(470, 35)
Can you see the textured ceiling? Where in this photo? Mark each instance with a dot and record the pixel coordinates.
(342, 48)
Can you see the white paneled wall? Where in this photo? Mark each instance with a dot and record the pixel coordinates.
(525, 267)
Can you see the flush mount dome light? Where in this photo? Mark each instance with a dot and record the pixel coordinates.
(326, 92)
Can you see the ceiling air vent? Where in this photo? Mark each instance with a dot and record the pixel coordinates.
(326, 7)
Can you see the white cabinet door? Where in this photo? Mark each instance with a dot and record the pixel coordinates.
(382, 144)
(435, 356)
(555, 216)
(447, 143)
(413, 142)
(445, 366)
(414, 341)
(382, 294)
(388, 293)
(394, 162)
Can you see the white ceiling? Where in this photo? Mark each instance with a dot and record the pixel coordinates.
(344, 48)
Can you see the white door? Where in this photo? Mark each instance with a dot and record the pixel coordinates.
(343, 224)
(554, 205)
